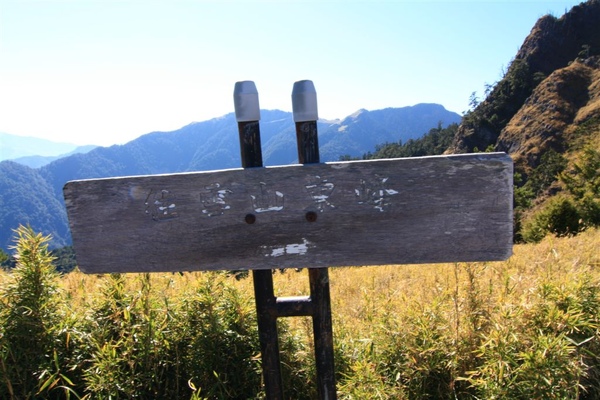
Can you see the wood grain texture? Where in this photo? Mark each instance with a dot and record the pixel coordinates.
(399, 211)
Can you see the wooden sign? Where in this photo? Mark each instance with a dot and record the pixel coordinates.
(454, 208)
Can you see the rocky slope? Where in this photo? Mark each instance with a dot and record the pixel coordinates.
(542, 82)
(549, 118)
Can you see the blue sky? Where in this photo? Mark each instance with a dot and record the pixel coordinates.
(107, 71)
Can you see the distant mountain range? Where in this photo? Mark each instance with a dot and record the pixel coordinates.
(35, 152)
(34, 195)
(40, 161)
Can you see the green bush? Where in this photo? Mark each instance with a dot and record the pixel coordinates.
(129, 343)
(563, 214)
(418, 355)
(547, 351)
(558, 216)
(3, 256)
(218, 342)
(583, 183)
(30, 324)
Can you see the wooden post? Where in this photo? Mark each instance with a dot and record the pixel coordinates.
(304, 105)
(247, 113)
(268, 307)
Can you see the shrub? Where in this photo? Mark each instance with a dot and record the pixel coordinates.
(30, 323)
(558, 216)
(583, 183)
(128, 342)
(218, 341)
(548, 350)
(419, 354)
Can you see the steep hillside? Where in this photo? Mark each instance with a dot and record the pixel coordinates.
(27, 199)
(545, 113)
(552, 44)
(550, 117)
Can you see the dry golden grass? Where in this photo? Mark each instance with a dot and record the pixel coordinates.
(592, 108)
(567, 98)
(360, 294)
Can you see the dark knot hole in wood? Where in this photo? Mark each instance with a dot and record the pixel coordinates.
(311, 216)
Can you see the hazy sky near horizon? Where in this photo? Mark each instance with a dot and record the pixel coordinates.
(107, 71)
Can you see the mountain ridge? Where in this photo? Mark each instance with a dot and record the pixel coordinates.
(569, 97)
(552, 44)
(202, 146)
(37, 161)
(545, 113)
(14, 147)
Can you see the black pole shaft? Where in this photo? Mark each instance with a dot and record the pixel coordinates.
(308, 142)
(268, 307)
(264, 294)
(308, 153)
(323, 332)
(250, 147)
(267, 333)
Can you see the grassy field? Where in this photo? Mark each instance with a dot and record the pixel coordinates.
(521, 329)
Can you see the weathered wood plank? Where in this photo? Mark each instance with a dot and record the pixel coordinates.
(401, 211)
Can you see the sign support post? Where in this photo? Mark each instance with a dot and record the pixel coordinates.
(268, 306)
(304, 105)
(247, 112)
